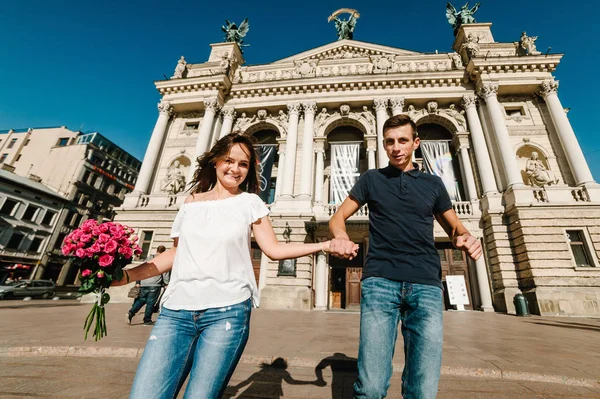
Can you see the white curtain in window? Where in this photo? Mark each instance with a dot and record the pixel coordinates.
(437, 160)
(344, 170)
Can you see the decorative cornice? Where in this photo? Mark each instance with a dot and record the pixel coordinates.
(548, 87)
(469, 100)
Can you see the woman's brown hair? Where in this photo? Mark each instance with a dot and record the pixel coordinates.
(205, 176)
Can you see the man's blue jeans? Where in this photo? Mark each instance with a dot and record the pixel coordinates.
(205, 344)
(148, 296)
(385, 303)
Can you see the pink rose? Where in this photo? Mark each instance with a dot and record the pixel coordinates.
(95, 248)
(134, 238)
(66, 249)
(103, 238)
(105, 260)
(110, 247)
(103, 227)
(86, 273)
(85, 237)
(115, 229)
(81, 253)
(138, 251)
(126, 252)
(76, 235)
(100, 274)
(96, 231)
(80, 244)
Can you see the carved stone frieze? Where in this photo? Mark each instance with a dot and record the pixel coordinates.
(344, 109)
(305, 68)
(458, 116)
(432, 107)
(192, 115)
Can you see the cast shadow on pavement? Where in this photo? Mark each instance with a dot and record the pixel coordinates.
(268, 381)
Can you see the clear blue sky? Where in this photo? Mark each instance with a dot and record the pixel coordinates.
(91, 64)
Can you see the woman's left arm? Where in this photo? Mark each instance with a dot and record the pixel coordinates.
(268, 243)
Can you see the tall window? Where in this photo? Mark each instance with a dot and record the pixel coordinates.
(48, 218)
(30, 213)
(15, 240)
(146, 241)
(579, 248)
(63, 141)
(3, 157)
(36, 244)
(11, 143)
(8, 207)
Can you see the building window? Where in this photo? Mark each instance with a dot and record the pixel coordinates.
(59, 240)
(86, 176)
(191, 126)
(8, 207)
(63, 141)
(580, 248)
(15, 240)
(30, 213)
(11, 143)
(146, 241)
(3, 157)
(36, 244)
(93, 180)
(48, 218)
(514, 111)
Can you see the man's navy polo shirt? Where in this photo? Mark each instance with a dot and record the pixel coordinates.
(402, 206)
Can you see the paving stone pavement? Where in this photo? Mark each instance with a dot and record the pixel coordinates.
(42, 352)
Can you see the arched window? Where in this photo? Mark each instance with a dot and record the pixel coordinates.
(267, 151)
(346, 161)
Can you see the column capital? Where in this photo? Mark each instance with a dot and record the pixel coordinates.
(380, 103)
(460, 141)
(469, 100)
(293, 108)
(165, 108)
(488, 90)
(397, 102)
(229, 112)
(212, 104)
(310, 107)
(548, 87)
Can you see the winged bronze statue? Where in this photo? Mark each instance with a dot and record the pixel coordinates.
(464, 16)
(233, 33)
(345, 28)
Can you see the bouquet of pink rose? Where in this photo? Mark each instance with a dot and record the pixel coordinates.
(100, 251)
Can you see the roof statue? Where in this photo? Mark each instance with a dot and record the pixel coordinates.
(464, 16)
(233, 33)
(345, 28)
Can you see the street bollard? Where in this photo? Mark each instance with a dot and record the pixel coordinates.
(521, 305)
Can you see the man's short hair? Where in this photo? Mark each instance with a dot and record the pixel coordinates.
(161, 249)
(400, 120)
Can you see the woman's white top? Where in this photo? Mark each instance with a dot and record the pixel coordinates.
(212, 266)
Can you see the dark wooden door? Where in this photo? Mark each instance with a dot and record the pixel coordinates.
(353, 277)
(454, 262)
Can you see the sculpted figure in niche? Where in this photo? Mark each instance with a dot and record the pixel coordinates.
(539, 175)
(368, 115)
(243, 120)
(321, 118)
(174, 181)
(180, 68)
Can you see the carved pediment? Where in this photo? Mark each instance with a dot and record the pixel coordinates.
(347, 49)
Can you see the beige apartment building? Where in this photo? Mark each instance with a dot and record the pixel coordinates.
(492, 126)
(87, 169)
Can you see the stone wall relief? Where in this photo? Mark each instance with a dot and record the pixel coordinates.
(245, 123)
(305, 68)
(456, 117)
(174, 181)
(364, 117)
(534, 165)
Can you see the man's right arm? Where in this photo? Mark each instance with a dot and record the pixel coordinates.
(341, 246)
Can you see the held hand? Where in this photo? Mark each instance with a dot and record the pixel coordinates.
(342, 248)
(470, 245)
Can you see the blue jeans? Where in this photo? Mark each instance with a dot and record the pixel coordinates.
(419, 307)
(206, 344)
(148, 296)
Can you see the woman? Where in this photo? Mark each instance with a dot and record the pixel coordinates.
(204, 323)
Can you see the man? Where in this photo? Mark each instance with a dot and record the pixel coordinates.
(402, 272)
(149, 293)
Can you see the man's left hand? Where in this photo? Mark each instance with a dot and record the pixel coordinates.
(469, 244)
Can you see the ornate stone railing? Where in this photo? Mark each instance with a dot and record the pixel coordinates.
(463, 208)
(580, 195)
(330, 209)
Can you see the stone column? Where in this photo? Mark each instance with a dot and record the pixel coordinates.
(461, 144)
(228, 117)
(165, 111)
(280, 164)
(290, 159)
(568, 140)
(482, 156)
(397, 104)
(321, 282)
(307, 156)
(319, 173)
(382, 116)
(211, 106)
(371, 148)
(484, 285)
(507, 153)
